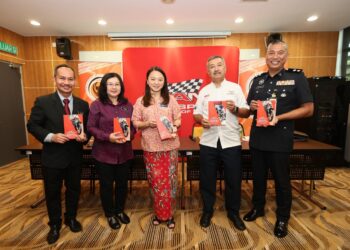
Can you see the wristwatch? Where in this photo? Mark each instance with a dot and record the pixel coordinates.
(235, 110)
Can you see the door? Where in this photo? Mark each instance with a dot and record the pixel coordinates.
(12, 116)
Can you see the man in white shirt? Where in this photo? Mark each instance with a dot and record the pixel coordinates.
(221, 144)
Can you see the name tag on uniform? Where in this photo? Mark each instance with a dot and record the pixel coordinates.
(285, 83)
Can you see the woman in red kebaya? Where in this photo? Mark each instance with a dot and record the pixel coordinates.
(160, 156)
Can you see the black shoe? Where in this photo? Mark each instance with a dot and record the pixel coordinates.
(205, 220)
(123, 218)
(113, 222)
(74, 225)
(54, 234)
(281, 229)
(253, 215)
(237, 222)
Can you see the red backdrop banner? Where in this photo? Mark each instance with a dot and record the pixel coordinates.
(186, 71)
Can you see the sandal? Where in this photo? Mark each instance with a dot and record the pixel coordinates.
(170, 223)
(156, 221)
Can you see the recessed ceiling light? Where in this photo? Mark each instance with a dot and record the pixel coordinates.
(312, 18)
(170, 21)
(239, 20)
(102, 22)
(168, 1)
(34, 23)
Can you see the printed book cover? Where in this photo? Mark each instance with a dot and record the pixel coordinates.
(217, 113)
(266, 112)
(122, 125)
(166, 128)
(73, 125)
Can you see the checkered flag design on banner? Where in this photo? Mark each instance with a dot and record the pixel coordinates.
(189, 86)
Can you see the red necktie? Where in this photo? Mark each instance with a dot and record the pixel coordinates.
(66, 106)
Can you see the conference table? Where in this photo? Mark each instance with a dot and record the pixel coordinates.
(308, 161)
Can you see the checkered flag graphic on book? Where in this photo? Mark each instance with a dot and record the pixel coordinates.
(189, 86)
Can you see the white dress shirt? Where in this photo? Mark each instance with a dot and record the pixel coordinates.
(229, 134)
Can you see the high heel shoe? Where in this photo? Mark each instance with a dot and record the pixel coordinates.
(170, 223)
(156, 221)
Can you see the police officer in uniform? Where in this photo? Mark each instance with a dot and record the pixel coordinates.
(271, 146)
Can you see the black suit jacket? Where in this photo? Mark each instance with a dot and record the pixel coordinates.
(47, 117)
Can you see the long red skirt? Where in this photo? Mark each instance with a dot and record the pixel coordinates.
(162, 176)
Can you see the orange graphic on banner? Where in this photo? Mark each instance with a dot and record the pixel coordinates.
(90, 75)
(248, 69)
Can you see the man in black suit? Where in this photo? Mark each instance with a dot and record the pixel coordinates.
(61, 156)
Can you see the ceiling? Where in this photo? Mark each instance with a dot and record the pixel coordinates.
(79, 17)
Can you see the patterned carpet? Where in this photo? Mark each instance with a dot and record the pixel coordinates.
(310, 227)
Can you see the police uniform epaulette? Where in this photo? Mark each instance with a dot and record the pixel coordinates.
(291, 70)
(261, 74)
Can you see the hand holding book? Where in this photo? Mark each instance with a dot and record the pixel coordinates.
(81, 137)
(166, 128)
(121, 130)
(117, 137)
(217, 113)
(73, 127)
(266, 114)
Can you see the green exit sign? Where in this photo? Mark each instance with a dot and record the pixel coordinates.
(8, 48)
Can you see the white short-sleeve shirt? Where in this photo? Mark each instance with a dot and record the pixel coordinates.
(229, 133)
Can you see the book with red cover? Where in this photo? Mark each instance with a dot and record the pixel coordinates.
(217, 113)
(166, 128)
(73, 125)
(266, 112)
(122, 125)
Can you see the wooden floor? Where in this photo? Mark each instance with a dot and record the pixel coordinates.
(22, 227)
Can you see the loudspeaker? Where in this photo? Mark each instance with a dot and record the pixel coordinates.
(326, 124)
(63, 48)
(347, 142)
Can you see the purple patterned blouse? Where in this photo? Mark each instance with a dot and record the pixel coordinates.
(100, 125)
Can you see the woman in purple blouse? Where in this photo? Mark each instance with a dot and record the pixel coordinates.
(112, 151)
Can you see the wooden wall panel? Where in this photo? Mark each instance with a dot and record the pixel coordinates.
(186, 42)
(38, 48)
(32, 93)
(315, 52)
(322, 66)
(14, 39)
(249, 41)
(80, 43)
(304, 44)
(38, 74)
(123, 44)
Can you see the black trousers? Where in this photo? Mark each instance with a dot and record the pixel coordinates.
(108, 174)
(210, 159)
(278, 162)
(53, 180)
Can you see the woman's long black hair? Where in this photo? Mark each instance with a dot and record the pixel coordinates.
(146, 100)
